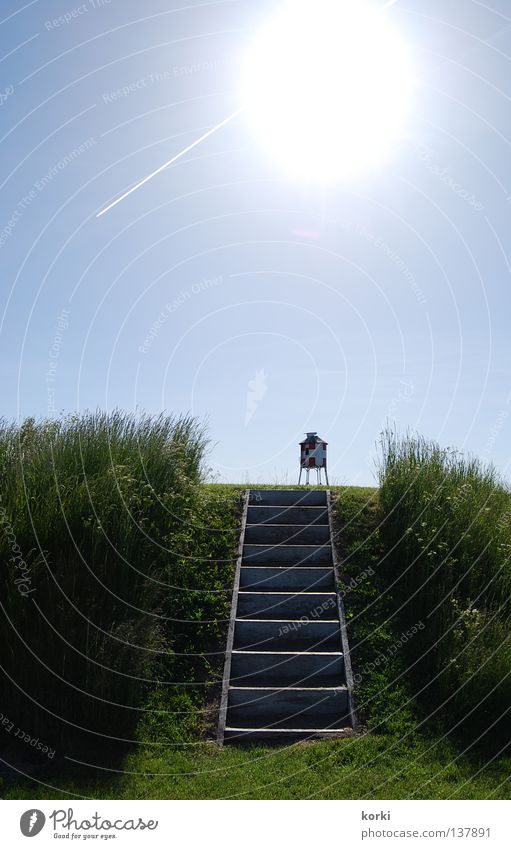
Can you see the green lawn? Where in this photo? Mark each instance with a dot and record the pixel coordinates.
(372, 766)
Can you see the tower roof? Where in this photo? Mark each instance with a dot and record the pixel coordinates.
(312, 436)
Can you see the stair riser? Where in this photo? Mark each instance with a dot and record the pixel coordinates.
(286, 636)
(287, 515)
(294, 579)
(287, 497)
(287, 534)
(312, 606)
(284, 670)
(283, 736)
(287, 555)
(291, 708)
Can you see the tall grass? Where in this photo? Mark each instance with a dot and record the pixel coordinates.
(108, 543)
(447, 536)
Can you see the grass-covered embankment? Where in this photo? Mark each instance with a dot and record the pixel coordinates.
(115, 579)
(399, 754)
(446, 534)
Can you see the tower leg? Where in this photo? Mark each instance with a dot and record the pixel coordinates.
(326, 476)
(299, 479)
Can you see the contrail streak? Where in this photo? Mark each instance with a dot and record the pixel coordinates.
(170, 162)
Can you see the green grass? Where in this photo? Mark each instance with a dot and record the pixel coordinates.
(394, 759)
(373, 767)
(399, 752)
(446, 533)
(116, 570)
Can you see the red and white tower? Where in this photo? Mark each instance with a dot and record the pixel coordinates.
(313, 456)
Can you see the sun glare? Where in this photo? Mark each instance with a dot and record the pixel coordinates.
(326, 86)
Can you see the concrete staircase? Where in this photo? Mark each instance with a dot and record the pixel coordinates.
(287, 671)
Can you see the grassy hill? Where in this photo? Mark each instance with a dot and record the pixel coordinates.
(113, 649)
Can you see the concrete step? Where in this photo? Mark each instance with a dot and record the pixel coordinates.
(286, 669)
(287, 534)
(291, 707)
(293, 578)
(287, 555)
(314, 606)
(287, 497)
(287, 515)
(287, 635)
(285, 736)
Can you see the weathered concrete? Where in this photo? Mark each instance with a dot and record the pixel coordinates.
(258, 605)
(286, 669)
(286, 635)
(288, 497)
(291, 578)
(284, 736)
(289, 707)
(287, 555)
(276, 515)
(287, 534)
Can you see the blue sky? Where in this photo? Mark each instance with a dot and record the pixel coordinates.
(226, 288)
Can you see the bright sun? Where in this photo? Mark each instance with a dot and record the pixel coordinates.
(327, 86)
